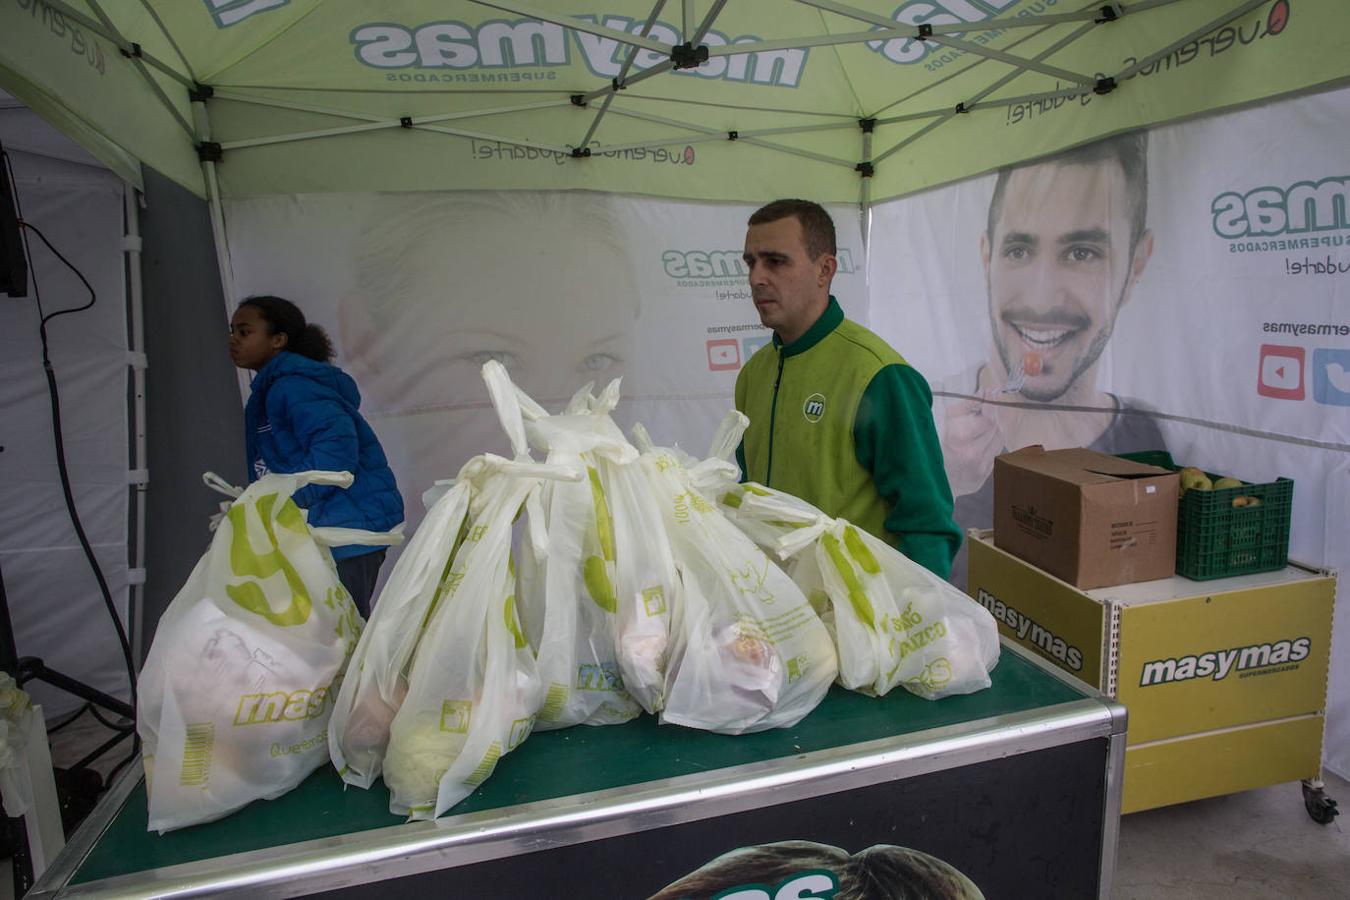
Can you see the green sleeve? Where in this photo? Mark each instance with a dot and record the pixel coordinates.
(896, 441)
(740, 407)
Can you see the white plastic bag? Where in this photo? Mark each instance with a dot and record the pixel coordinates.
(645, 578)
(749, 653)
(377, 677)
(473, 688)
(570, 590)
(894, 622)
(236, 692)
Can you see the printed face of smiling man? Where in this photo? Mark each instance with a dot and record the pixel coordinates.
(1060, 261)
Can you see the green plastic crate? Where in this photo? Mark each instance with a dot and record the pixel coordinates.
(1216, 539)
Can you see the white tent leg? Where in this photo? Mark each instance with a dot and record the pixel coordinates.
(132, 246)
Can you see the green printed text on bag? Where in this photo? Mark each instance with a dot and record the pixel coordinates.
(245, 563)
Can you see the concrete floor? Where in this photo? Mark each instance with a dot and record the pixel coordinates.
(1256, 844)
(1250, 846)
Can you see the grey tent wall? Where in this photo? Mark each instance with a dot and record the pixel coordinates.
(193, 415)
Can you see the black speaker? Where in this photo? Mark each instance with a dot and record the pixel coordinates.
(13, 265)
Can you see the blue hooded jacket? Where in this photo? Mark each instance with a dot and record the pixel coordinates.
(303, 415)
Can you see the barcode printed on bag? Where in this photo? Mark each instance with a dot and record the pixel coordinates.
(480, 774)
(554, 701)
(197, 747)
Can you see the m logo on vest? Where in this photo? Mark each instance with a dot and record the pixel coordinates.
(814, 407)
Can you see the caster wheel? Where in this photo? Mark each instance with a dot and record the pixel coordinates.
(1321, 808)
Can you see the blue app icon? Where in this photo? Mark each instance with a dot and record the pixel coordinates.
(751, 344)
(1331, 376)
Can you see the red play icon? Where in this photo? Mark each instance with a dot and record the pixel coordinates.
(1281, 372)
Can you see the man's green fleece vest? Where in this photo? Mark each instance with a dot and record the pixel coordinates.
(802, 407)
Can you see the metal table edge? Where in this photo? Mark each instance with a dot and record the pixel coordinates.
(411, 848)
(86, 836)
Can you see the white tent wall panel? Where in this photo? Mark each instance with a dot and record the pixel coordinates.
(418, 290)
(57, 610)
(1236, 330)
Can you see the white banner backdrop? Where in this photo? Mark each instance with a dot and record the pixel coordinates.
(1223, 305)
(419, 290)
(57, 610)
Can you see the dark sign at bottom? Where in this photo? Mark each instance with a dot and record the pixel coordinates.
(1028, 825)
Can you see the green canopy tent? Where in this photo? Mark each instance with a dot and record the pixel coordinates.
(707, 99)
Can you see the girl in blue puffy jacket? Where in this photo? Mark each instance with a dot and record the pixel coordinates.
(303, 415)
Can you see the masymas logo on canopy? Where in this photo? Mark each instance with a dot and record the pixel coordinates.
(528, 44)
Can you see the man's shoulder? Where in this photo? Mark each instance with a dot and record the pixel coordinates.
(865, 346)
(1134, 427)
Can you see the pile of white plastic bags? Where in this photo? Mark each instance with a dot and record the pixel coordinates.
(585, 580)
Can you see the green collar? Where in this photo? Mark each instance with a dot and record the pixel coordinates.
(829, 320)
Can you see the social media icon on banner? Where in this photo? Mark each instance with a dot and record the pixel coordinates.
(724, 353)
(751, 344)
(1281, 372)
(1331, 376)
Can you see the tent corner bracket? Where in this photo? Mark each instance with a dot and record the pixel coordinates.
(200, 93)
(868, 125)
(578, 100)
(687, 56)
(865, 169)
(210, 151)
(1105, 86)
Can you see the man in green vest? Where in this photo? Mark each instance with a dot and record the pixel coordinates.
(837, 417)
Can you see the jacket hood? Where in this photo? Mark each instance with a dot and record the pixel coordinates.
(292, 365)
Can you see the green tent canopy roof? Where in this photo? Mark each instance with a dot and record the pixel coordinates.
(703, 99)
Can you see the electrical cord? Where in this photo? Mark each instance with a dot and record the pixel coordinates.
(55, 397)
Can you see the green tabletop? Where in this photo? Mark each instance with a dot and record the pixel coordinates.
(564, 763)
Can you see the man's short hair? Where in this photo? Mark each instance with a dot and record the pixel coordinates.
(1130, 150)
(817, 226)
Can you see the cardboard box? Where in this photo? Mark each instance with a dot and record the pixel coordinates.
(1225, 681)
(1092, 519)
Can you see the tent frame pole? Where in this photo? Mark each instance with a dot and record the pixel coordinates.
(131, 50)
(131, 245)
(621, 80)
(217, 213)
(530, 11)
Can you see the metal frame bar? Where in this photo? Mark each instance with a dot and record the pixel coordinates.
(163, 29)
(408, 849)
(143, 70)
(237, 97)
(1171, 48)
(650, 145)
(957, 73)
(624, 82)
(1017, 61)
(621, 79)
(1089, 12)
(767, 145)
(979, 102)
(121, 42)
(547, 15)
